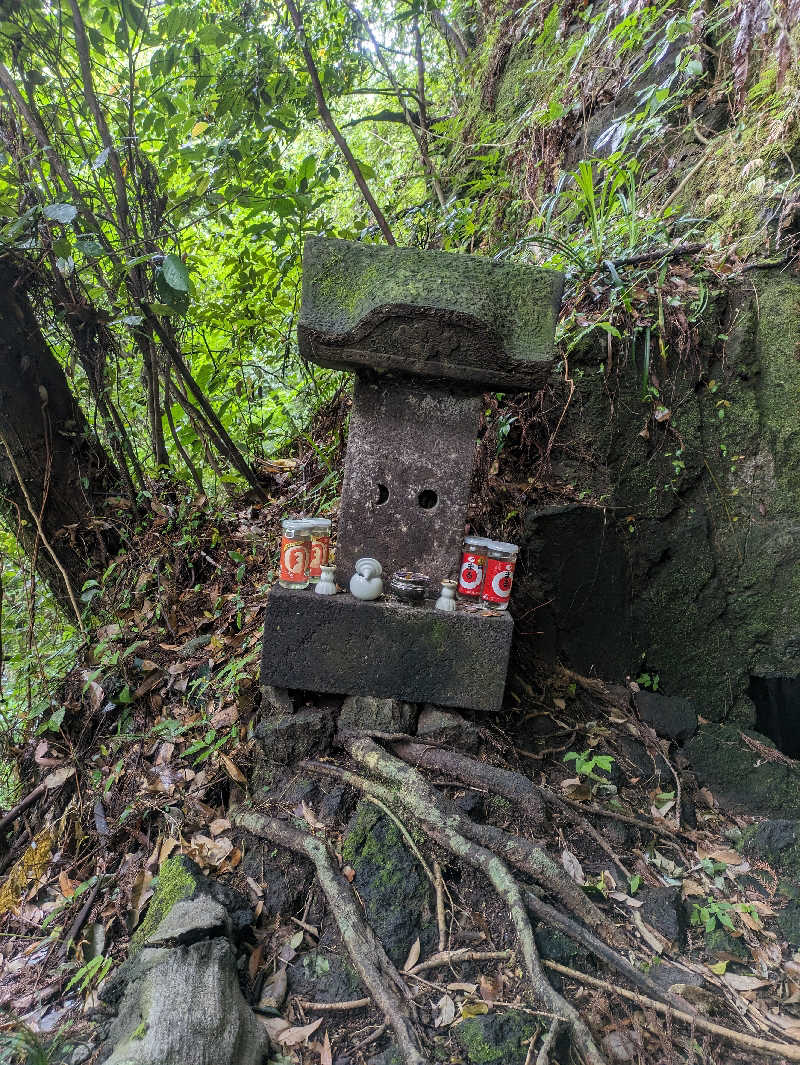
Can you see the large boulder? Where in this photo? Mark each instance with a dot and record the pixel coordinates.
(692, 567)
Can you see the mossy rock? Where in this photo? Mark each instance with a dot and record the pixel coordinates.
(778, 844)
(503, 1038)
(789, 923)
(719, 941)
(390, 881)
(740, 777)
(178, 879)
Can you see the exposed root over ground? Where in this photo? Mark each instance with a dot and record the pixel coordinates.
(385, 775)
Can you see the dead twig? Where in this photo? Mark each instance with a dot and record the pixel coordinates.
(334, 1007)
(80, 920)
(455, 957)
(440, 914)
(15, 811)
(790, 1051)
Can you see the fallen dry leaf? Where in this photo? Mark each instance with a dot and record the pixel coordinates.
(573, 866)
(741, 982)
(413, 955)
(720, 854)
(59, 776)
(445, 1012)
(231, 769)
(299, 1034)
(326, 1055)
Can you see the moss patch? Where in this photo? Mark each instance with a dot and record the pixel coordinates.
(395, 891)
(497, 1037)
(175, 882)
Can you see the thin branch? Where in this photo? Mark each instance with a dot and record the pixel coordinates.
(417, 124)
(45, 541)
(327, 118)
(451, 34)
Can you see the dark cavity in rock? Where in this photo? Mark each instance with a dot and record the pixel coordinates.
(777, 702)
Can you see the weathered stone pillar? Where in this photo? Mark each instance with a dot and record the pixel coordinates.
(426, 333)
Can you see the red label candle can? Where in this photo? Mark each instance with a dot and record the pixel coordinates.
(501, 561)
(320, 546)
(473, 567)
(295, 554)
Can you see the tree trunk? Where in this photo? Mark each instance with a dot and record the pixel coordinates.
(54, 473)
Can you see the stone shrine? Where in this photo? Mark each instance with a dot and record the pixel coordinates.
(426, 333)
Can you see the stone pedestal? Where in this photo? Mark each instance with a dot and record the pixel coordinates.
(341, 645)
(426, 333)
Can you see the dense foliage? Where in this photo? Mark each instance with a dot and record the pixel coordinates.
(161, 164)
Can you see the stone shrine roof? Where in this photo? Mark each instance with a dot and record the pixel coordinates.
(459, 318)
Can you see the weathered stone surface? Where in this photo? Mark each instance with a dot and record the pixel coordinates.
(574, 564)
(428, 313)
(177, 1000)
(739, 777)
(709, 551)
(789, 923)
(664, 909)
(720, 942)
(188, 922)
(183, 1006)
(338, 644)
(636, 761)
(777, 707)
(287, 740)
(394, 889)
(276, 702)
(444, 726)
(325, 975)
(410, 453)
(778, 844)
(671, 716)
(384, 715)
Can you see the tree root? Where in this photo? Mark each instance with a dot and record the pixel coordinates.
(553, 917)
(519, 852)
(366, 953)
(512, 786)
(410, 790)
(788, 1051)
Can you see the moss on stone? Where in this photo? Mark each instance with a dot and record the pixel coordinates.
(501, 1038)
(175, 882)
(395, 891)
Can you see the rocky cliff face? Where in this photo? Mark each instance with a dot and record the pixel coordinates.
(687, 562)
(680, 558)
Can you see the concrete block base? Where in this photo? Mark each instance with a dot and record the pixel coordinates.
(341, 645)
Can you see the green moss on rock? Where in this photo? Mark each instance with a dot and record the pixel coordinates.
(175, 882)
(394, 889)
(501, 1038)
(740, 777)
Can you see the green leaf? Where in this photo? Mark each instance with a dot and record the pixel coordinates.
(89, 245)
(174, 272)
(60, 212)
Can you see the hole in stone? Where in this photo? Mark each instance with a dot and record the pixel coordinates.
(427, 499)
(777, 702)
(381, 495)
